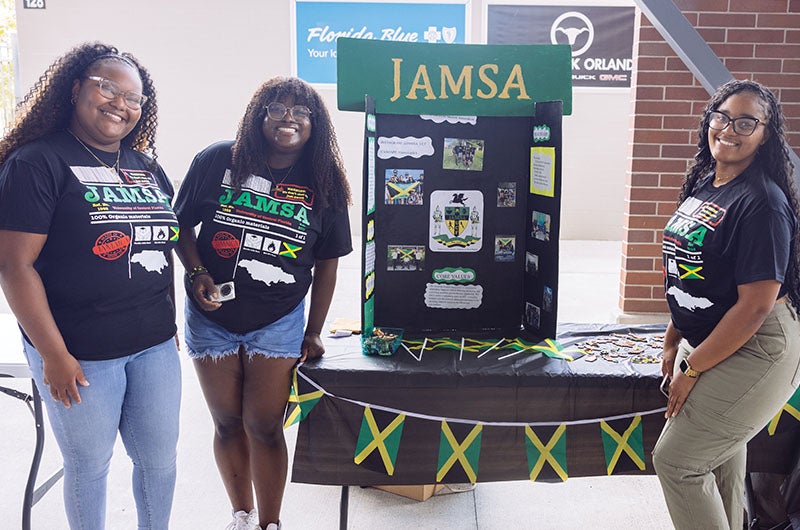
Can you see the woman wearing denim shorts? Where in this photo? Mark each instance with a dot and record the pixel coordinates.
(85, 263)
(273, 207)
(732, 347)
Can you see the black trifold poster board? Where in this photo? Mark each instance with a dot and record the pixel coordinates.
(461, 223)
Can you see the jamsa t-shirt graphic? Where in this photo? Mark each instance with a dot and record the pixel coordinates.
(132, 201)
(682, 247)
(264, 235)
(271, 222)
(106, 262)
(718, 239)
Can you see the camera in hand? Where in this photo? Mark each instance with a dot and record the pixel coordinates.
(226, 292)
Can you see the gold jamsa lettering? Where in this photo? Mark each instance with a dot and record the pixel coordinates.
(487, 74)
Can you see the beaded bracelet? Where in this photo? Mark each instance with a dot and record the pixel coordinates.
(195, 271)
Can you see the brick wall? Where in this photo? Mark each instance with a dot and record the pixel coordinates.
(758, 40)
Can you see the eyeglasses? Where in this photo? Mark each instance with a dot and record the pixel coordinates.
(110, 90)
(276, 111)
(743, 126)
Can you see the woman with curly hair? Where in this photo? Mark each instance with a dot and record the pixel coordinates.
(86, 231)
(732, 278)
(273, 206)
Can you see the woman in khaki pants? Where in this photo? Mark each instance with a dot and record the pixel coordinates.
(732, 282)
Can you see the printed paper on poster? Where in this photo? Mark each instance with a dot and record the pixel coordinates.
(543, 171)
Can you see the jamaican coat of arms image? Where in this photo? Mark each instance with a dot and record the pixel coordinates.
(456, 221)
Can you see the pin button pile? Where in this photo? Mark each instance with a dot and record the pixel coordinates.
(619, 347)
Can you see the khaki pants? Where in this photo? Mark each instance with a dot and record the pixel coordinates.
(701, 454)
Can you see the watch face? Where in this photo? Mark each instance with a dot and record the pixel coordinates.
(688, 370)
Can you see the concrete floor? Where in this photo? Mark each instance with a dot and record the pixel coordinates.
(588, 287)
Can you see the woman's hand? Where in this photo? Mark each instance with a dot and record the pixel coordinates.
(671, 341)
(679, 390)
(205, 292)
(61, 373)
(312, 347)
(668, 360)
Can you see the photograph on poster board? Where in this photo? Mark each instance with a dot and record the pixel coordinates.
(547, 299)
(533, 315)
(504, 248)
(404, 186)
(506, 194)
(456, 221)
(531, 264)
(405, 258)
(540, 228)
(463, 154)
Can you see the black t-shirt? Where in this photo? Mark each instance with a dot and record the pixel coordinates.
(720, 238)
(106, 262)
(265, 237)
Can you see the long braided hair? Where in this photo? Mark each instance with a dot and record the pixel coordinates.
(321, 156)
(772, 157)
(48, 108)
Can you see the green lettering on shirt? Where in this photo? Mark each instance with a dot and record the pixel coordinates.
(697, 235)
(109, 195)
(130, 194)
(91, 195)
(302, 216)
(243, 200)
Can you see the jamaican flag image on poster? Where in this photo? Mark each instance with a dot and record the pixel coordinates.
(379, 440)
(623, 445)
(455, 221)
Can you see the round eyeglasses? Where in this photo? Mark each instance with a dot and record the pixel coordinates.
(744, 126)
(276, 111)
(110, 90)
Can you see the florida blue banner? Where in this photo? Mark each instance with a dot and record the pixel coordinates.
(320, 24)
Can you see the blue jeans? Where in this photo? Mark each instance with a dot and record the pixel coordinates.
(281, 339)
(139, 396)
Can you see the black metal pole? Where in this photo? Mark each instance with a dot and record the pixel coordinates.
(343, 507)
(30, 487)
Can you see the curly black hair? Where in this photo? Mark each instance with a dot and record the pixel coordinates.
(772, 158)
(48, 108)
(321, 156)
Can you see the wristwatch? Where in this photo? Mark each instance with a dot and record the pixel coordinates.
(687, 369)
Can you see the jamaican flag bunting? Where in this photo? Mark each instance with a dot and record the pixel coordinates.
(556, 351)
(302, 398)
(385, 440)
(624, 452)
(547, 461)
(792, 407)
(466, 453)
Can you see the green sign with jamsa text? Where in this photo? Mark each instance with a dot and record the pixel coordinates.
(452, 79)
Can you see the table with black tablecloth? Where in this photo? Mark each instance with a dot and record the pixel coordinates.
(501, 394)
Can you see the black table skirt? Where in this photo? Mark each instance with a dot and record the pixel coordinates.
(501, 394)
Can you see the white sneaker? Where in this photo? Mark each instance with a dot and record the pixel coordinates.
(274, 526)
(244, 521)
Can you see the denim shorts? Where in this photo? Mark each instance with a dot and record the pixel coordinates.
(282, 339)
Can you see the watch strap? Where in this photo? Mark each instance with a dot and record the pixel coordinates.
(687, 369)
